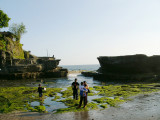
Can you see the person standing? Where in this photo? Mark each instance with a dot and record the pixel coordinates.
(40, 91)
(87, 90)
(83, 95)
(75, 86)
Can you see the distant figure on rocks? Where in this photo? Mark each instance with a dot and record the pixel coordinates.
(75, 86)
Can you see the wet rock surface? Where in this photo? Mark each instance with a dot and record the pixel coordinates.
(142, 107)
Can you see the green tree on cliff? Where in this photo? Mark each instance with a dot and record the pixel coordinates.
(4, 19)
(18, 30)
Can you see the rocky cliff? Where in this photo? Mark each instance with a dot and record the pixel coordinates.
(129, 66)
(15, 63)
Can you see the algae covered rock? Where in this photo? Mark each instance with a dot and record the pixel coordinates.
(4, 104)
(8, 44)
(40, 108)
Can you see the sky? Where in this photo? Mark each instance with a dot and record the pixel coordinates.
(79, 31)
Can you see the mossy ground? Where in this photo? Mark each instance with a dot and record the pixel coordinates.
(20, 98)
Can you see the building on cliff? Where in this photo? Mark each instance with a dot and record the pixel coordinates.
(15, 63)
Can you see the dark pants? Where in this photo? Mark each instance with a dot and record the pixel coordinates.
(75, 94)
(84, 99)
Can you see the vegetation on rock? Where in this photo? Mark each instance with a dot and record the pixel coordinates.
(18, 30)
(13, 47)
(10, 41)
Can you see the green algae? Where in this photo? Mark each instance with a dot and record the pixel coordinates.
(124, 90)
(104, 106)
(56, 97)
(73, 106)
(110, 101)
(70, 102)
(67, 93)
(91, 94)
(19, 98)
(119, 94)
(92, 106)
(40, 108)
(50, 92)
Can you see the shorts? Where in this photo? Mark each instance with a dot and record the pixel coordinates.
(40, 94)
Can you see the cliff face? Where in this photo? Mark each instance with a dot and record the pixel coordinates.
(130, 68)
(9, 45)
(15, 63)
(131, 64)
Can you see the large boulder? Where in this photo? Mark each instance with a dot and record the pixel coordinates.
(129, 67)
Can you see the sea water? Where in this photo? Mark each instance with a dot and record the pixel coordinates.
(93, 67)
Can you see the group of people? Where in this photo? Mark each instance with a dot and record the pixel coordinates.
(84, 89)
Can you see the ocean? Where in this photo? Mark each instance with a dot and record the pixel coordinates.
(93, 67)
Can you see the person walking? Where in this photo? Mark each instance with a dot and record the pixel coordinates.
(75, 86)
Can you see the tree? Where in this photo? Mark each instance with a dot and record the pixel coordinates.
(18, 30)
(4, 19)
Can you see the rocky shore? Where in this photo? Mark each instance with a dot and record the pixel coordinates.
(129, 68)
(16, 63)
(141, 107)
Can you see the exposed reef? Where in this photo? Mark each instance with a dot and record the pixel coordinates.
(131, 64)
(129, 68)
(16, 63)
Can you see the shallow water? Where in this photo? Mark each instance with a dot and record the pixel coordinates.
(64, 83)
(53, 83)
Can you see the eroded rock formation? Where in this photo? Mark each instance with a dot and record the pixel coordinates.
(129, 67)
(15, 63)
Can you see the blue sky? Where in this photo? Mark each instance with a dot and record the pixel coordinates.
(78, 31)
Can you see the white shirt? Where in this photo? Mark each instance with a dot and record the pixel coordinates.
(81, 87)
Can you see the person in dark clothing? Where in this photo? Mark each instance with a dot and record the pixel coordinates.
(40, 91)
(75, 86)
